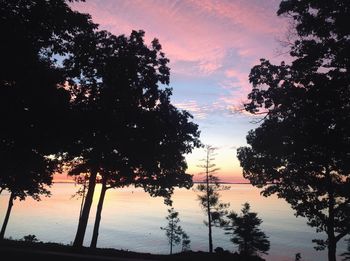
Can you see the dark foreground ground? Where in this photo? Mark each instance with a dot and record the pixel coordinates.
(20, 250)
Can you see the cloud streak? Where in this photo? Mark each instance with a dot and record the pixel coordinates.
(205, 39)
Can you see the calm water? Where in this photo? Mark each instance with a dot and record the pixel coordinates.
(131, 220)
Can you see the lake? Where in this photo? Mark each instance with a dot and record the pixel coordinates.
(131, 220)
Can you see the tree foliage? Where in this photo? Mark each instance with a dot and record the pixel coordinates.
(301, 149)
(128, 124)
(246, 233)
(210, 197)
(33, 101)
(30, 238)
(58, 70)
(185, 242)
(127, 130)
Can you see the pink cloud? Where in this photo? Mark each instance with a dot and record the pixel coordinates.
(240, 77)
(248, 14)
(211, 44)
(199, 112)
(238, 87)
(202, 111)
(202, 38)
(207, 67)
(201, 31)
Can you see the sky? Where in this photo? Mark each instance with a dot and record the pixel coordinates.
(212, 45)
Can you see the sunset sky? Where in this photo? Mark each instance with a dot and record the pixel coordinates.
(212, 45)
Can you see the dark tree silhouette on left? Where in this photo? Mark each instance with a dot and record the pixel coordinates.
(33, 100)
(128, 130)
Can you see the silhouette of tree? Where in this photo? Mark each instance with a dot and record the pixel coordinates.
(174, 232)
(26, 179)
(30, 238)
(81, 180)
(33, 101)
(209, 199)
(301, 149)
(297, 257)
(185, 242)
(104, 188)
(128, 130)
(246, 232)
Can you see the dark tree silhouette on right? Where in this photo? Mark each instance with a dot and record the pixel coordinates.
(301, 150)
(246, 233)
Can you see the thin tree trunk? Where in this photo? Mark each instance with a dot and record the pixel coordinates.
(245, 251)
(81, 205)
(332, 249)
(171, 236)
(83, 220)
(83, 197)
(7, 216)
(210, 232)
(98, 213)
(208, 207)
(332, 242)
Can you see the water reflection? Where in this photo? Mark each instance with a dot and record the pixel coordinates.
(131, 220)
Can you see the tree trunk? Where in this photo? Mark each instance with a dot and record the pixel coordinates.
(208, 207)
(171, 244)
(7, 216)
(245, 250)
(332, 249)
(332, 242)
(171, 236)
(209, 233)
(82, 199)
(83, 220)
(98, 213)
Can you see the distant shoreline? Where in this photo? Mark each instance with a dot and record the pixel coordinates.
(195, 182)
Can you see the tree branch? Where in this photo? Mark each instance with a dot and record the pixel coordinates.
(342, 234)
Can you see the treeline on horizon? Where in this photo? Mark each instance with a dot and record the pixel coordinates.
(82, 100)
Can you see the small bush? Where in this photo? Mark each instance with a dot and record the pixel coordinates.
(30, 238)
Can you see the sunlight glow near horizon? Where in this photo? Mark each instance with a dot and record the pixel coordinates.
(212, 45)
